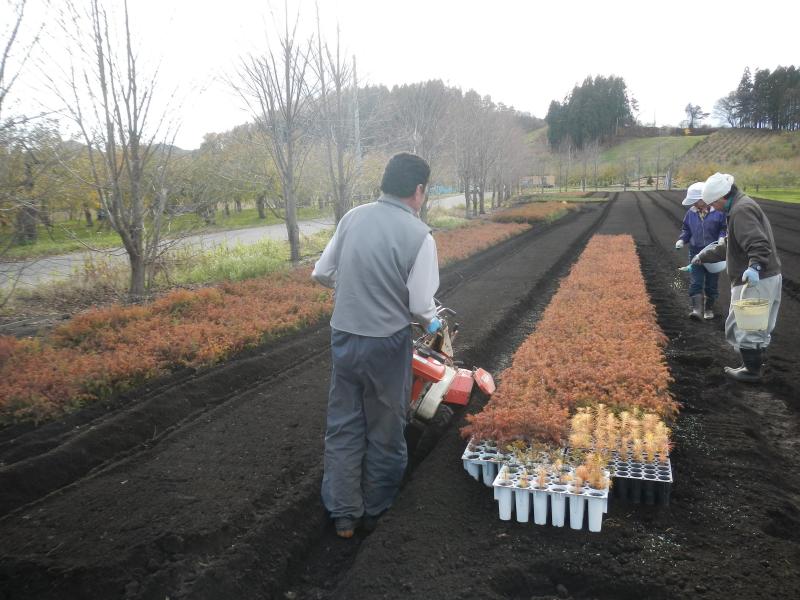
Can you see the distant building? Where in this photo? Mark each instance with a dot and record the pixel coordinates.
(534, 181)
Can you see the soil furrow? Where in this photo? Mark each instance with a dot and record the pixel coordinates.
(194, 507)
(443, 538)
(317, 571)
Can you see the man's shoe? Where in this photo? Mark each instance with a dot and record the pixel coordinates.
(370, 522)
(345, 527)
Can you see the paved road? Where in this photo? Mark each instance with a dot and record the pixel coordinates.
(53, 268)
(453, 201)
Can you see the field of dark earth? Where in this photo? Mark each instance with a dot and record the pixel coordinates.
(206, 484)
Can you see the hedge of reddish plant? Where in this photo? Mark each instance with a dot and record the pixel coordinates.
(457, 244)
(107, 350)
(533, 212)
(597, 342)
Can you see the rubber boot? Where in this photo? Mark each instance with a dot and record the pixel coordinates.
(708, 312)
(697, 307)
(752, 367)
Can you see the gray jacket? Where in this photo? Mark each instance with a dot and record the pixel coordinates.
(372, 254)
(749, 241)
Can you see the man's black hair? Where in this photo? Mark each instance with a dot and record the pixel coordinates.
(403, 173)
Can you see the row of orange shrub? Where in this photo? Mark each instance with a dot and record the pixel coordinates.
(534, 212)
(597, 342)
(108, 350)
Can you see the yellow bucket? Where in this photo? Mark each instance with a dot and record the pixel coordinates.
(752, 314)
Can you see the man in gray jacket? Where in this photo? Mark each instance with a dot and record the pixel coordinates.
(383, 266)
(754, 269)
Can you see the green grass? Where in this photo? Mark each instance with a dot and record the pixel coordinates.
(72, 236)
(238, 261)
(781, 194)
(648, 150)
(62, 238)
(447, 218)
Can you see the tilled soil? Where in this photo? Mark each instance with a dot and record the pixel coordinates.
(221, 501)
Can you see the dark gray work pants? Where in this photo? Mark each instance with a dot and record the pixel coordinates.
(365, 448)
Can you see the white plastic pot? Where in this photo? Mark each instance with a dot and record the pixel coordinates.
(576, 506)
(504, 498)
(473, 468)
(540, 507)
(489, 473)
(597, 506)
(557, 506)
(523, 504)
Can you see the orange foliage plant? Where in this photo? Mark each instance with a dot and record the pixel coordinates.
(456, 244)
(597, 342)
(533, 212)
(107, 350)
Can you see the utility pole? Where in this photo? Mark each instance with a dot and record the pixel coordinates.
(658, 160)
(639, 172)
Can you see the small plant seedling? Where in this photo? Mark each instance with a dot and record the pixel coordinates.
(541, 477)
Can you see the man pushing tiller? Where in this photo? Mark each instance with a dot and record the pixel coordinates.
(383, 265)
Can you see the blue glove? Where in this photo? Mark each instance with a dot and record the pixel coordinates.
(750, 276)
(435, 325)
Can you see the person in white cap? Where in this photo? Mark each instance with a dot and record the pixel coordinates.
(752, 259)
(702, 226)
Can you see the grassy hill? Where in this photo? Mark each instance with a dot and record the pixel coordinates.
(758, 159)
(755, 157)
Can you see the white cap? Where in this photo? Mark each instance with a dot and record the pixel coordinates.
(693, 194)
(716, 187)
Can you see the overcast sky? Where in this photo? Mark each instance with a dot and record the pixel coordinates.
(522, 53)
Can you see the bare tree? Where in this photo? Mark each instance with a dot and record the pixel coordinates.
(110, 101)
(17, 176)
(694, 115)
(726, 110)
(465, 115)
(337, 85)
(276, 89)
(420, 113)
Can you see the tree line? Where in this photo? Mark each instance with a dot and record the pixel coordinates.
(763, 100)
(315, 134)
(592, 112)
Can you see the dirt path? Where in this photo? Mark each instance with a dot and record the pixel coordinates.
(224, 503)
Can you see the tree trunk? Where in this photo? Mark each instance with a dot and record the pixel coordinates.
(26, 230)
(467, 197)
(88, 216)
(423, 210)
(482, 188)
(227, 208)
(292, 228)
(260, 206)
(137, 290)
(238, 203)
